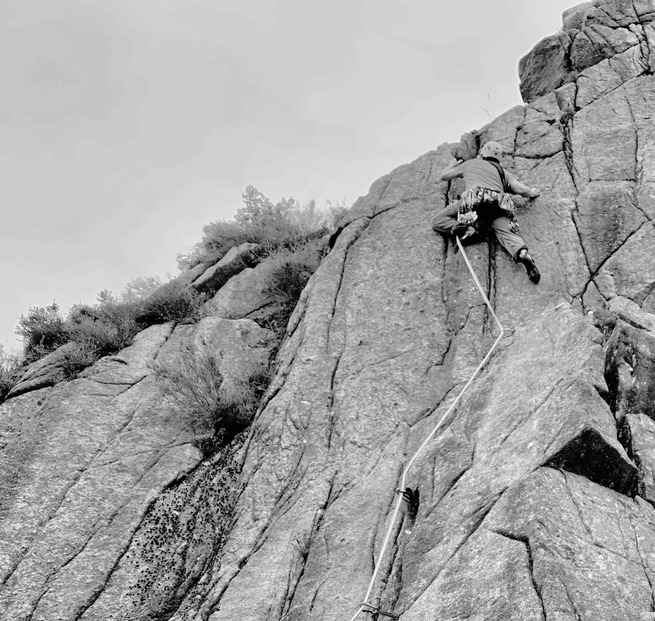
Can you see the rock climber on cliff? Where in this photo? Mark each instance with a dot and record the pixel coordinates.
(485, 202)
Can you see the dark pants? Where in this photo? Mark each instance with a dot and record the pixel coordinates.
(446, 219)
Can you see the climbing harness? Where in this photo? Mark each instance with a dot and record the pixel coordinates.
(475, 196)
(366, 606)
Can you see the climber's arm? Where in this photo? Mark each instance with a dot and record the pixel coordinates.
(521, 189)
(452, 170)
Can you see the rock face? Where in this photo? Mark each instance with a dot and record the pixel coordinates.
(107, 502)
(533, 500)
(615, 35)
(47, 371)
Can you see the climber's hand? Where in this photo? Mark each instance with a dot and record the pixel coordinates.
(451, 171)
(534, 192)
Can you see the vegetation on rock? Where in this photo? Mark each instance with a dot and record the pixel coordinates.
(289, 236)
(193, 382)
(285, 224)
(10, 370)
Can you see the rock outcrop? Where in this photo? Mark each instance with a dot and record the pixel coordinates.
(108, 500)
(47, 371)
(235, 261)
(534, 500)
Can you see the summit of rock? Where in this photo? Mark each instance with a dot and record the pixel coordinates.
(618, 33)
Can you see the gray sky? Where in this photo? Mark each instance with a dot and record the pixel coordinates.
(126, 125)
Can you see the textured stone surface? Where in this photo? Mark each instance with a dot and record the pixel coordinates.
(91, 469)
(188, 276)
(242, 295)
(235, 261)
(47, 371)
(592, 32)
(544, 552)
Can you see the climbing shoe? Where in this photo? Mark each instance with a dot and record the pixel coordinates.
(524, 257)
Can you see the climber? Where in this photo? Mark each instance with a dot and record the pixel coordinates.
(484, 202)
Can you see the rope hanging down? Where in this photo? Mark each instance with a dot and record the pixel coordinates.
(371, 608)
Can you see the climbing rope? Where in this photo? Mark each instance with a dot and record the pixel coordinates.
(371, 608)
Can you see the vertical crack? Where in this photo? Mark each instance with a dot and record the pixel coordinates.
(330, 405)
(594, 273)
(491, 286)
(644, 565)
(573, 607)
(303, 545)
(639, 165)
(566, 123)
(526, 542)
(644, 43)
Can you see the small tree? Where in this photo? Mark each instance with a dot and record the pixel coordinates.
(140, 288)
(259, 210)
(43, 330)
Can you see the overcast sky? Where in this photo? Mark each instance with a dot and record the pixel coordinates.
(126, 125)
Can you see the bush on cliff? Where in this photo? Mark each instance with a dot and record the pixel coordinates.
(103, 328)
(289, 234)
(43, 330)
(193, 382)
(173, 301)
(287, 273)
(284, 224)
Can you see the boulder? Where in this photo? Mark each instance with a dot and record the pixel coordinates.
(235, 261)
(49, 370)
(242, 295)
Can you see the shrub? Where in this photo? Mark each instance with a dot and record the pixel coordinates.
(193, 382)
(139, 288)
(173, 301)
(43, 330)
(72, 360)
(285, 273)
(102, 329)
(290, 270)
(272, 226)
(218, 238)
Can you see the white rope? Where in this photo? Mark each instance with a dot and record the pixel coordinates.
(430, 436)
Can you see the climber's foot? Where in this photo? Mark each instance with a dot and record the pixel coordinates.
(533, 272)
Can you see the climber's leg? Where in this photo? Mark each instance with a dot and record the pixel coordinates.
(516, 247)
(446, 222)
(508, 240)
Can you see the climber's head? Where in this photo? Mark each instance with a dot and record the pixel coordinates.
(491, 149)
